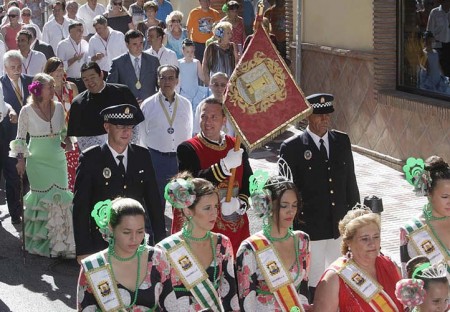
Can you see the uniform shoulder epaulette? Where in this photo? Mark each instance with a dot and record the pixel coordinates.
(90, 149)
(339, 132)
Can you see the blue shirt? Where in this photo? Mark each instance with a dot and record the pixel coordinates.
(164, 9)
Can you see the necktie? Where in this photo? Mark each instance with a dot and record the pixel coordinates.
(120, 165)
(137, 68)
(323, 150)
(17, 91)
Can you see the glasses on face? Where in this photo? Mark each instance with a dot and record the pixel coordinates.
(12, 16)
(216, 84)
(168, 78)
(175, 21)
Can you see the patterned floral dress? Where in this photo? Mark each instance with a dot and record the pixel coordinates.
(254, 294)
(155, 292)
(225, 282)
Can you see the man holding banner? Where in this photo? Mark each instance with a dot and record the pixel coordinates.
(210, 155)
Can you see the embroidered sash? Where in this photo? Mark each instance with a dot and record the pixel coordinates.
(99, 276)
(365, 286)
(425, 243)
(194, 277)
(277, 278)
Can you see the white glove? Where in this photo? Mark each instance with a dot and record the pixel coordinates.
(232, 160)
(228, 208)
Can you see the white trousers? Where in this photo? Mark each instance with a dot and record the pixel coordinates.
(323, 253)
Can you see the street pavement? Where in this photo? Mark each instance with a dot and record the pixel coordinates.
(32, 283)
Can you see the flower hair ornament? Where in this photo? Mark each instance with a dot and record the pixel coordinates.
(180, 193)
(102, 215)
(35, 88)
(417, 176)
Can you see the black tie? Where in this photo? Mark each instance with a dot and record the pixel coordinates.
(323, 150)
(120, 165)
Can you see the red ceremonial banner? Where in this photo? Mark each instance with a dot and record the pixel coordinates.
(262, 96)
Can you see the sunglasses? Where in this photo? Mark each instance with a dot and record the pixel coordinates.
(12, 16)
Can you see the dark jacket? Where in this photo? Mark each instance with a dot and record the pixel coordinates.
(328, 189)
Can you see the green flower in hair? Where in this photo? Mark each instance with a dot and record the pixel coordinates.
(102, 213)
(258, 180)
(260, 198)
(180, 193)
(417, 176)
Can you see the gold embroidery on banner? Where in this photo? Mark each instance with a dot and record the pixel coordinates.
(258, 84)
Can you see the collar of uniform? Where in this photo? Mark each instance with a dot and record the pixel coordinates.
(115, 154)
(317, 138)
(221, 143)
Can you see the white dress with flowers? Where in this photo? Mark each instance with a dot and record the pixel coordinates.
(48, 213)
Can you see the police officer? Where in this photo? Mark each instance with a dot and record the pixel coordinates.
(115, 168)
(322, 166)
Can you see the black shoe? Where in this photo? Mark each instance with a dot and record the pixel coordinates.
(17, 220)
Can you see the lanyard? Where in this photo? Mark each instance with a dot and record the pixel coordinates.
(29, 61)
(74, 47)
(170, 120)
(105, 45)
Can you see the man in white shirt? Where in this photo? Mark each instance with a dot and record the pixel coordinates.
(73, 51)
(57, 29)
(72, 9)
(155, 35)
(33, 62)
(106, 44)
(168, 122)
(87, 12)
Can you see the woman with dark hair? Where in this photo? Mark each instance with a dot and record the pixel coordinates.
(276, 251)
(428, 234)
(202, 264)
(129, 275)
(426, 288)
(65, 91)
(48, 215)
(231, 9)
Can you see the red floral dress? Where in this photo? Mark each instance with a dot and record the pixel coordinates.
(72, 156)
(155, 291)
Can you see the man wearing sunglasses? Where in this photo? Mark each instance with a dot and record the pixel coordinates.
(115, 168)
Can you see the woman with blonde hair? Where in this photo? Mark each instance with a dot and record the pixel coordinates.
(48, 215)
(222, 55)
(362, 279)
(175, 33)
(118, 17)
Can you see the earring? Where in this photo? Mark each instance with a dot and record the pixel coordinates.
(349, 254)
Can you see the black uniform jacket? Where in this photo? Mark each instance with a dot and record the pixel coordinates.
(328, 188)
(98, 178)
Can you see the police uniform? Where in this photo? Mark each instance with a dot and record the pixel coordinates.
(327, 183)
(99, 177)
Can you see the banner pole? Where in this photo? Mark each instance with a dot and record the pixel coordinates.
(237, 145)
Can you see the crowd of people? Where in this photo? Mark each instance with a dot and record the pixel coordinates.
(108, 115)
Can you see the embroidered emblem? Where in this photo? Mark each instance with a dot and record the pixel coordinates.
(427, 246)
(104, 288)
(273, 268)
(358, 279)
(107, 173)
(322, 100)
(127, 111)
(185, 262)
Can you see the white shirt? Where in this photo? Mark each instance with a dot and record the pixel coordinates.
(67, 49)
(317, 138)
(3, 108)
(53, 32)
(164, 55)
(153, 131)
(115, 154)
(2, 52)
(87, 15)
(112, 48)
(34, 63)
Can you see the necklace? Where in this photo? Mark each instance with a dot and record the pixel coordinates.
(266, 232)
(185, 232)
(138, 253)
(49, 119)
(428, 213)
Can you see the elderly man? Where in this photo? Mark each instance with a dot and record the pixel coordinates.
(87, 12)
(155, 35)
(321, 161)
(210, 155)
(73, 51)
(135, 69)
(57, 29)
(15, 92)
(168, 122)
(33, 61)
(115, 168)
(84, 119)
(106, 44)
